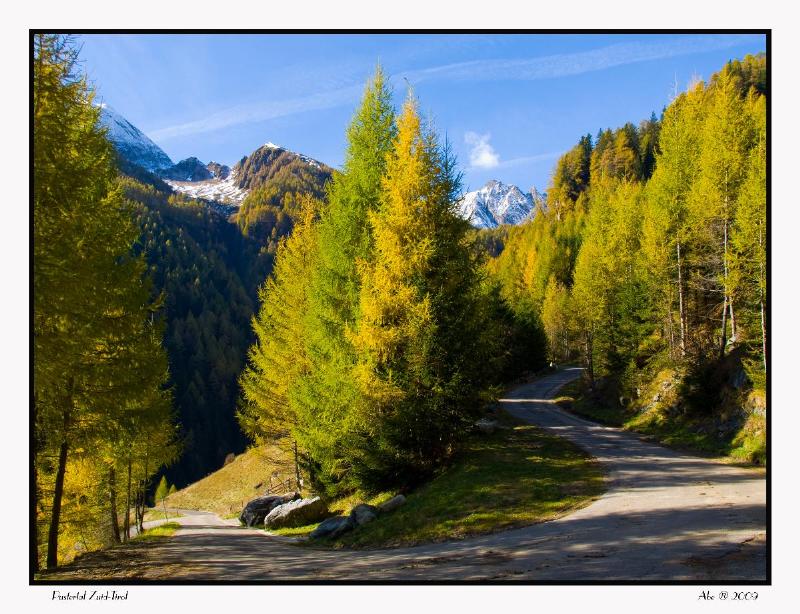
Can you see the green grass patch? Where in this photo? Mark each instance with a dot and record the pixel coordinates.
(661, 422)
(575, 398)
(294, 531)
(163, 530)
(677, 432)
(154, 513)
(515, 477)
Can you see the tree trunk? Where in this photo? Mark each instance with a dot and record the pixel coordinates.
(139, 509)
(726, 298)
(112, 491)
(681, 312)
(55, 516)
(143, 493)
(296, 466)
(763, 337)
(127, 522)
(761, 303)
(58, 491)
(670, 329)
(35, 510)
(724, 325)
(589, 360)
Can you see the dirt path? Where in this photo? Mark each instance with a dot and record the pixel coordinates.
(665, 516)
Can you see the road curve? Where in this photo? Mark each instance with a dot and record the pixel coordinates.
(665, 516)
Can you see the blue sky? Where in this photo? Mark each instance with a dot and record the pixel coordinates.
(509, 104)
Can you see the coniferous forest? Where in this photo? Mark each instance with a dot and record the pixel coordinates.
(650, 261)
(353, 318)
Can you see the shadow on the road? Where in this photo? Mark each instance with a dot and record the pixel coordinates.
(618, 546)
(629, 534)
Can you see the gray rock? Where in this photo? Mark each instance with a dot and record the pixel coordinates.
(363, 513)
(738, 379)
(392, 504)
(297, 513)
(256, 510)
(333, 527)
(486, 426)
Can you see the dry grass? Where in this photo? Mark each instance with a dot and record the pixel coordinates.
(227, 490)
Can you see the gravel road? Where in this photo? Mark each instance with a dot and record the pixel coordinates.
(665, 516)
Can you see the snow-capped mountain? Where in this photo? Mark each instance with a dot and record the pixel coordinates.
(190, 169)
(498, 203)
(230, 186)
(221, 187)
(132, 143)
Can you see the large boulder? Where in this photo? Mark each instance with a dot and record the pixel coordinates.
(256, 510)
(363, 513)
(333, 527)
(392, 504)
(297, 513)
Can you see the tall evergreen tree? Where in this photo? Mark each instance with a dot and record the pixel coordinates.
(92, 302)
(326, 392)
(749, 241)
(277, 359)
(420, 317)
(667, 220)
(726, 136)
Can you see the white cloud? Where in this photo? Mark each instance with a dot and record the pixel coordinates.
(482, 154)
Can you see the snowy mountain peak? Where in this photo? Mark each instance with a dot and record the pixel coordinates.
(498, 203)
(131, 143)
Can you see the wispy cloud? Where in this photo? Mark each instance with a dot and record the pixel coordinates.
(481, 154)
(543, 157)
(259, 112)
(567, 64)
(525, 69)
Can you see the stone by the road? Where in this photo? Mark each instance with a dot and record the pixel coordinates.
(297, 513)
(363, 513)
(392, 504)
(333, 527)
(256, 510)
(486, 426)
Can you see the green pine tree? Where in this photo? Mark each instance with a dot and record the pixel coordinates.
(96, 360)
(326, 392)
(420, 316)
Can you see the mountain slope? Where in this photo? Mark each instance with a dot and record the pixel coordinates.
(270, 164)
(498, 203)
(209, 275)
(275, 179)
(131, 143)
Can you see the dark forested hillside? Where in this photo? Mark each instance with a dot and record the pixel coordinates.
(208, 274)
(208, 271)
